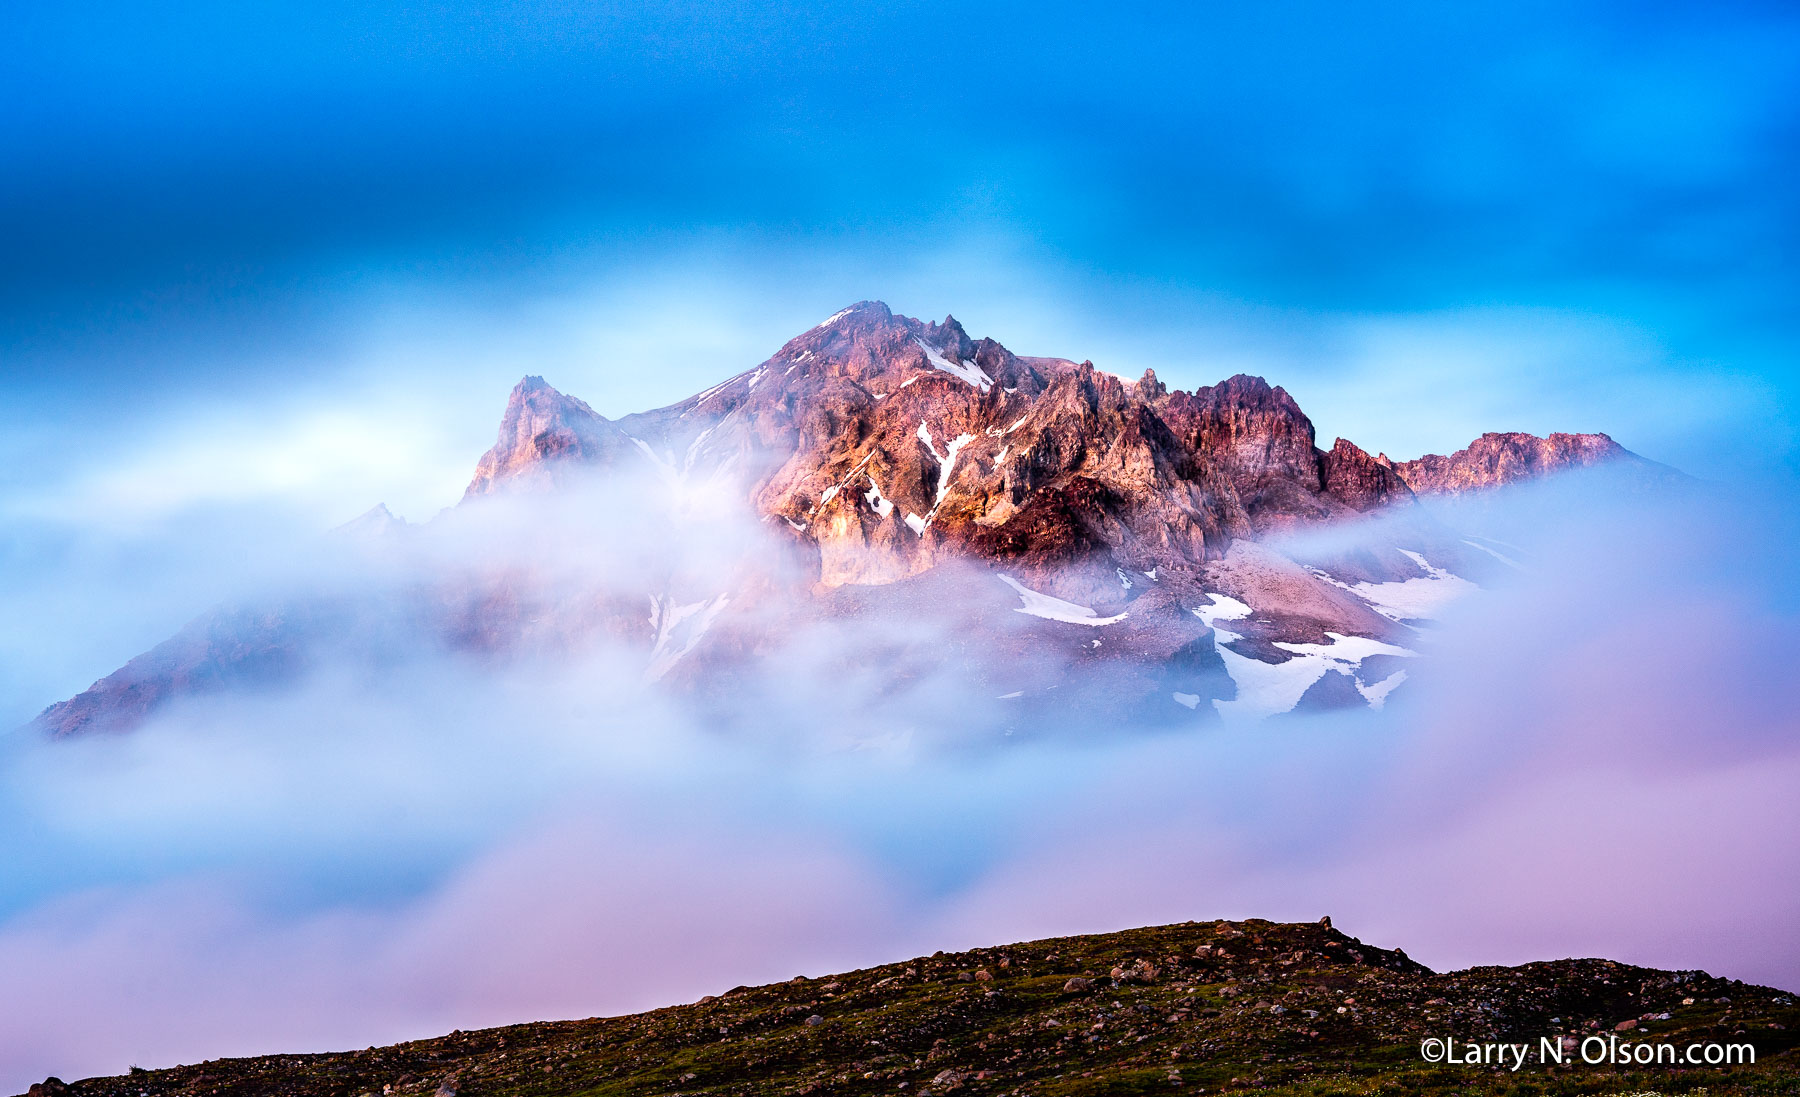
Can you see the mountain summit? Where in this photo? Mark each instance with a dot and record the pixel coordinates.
(1123, 527)
(542, 429)
(890, 445)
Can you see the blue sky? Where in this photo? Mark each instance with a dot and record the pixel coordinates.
(1425, 220)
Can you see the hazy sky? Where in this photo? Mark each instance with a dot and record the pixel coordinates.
(308, 252)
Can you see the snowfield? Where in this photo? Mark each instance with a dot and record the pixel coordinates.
(1268, 689)
(968, 371)
(1418, 599)
(1055, 609)
(679, 628)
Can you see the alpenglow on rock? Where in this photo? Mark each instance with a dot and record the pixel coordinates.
(1497, 459)
(1118, 524)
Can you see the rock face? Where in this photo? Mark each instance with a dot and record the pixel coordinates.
(1249, 1007)
(879, 448)
(1364, 482)
(541, 434)
(1495, 460)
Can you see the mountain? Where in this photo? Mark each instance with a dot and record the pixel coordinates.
(373, 524)
(1495, 460)
(890, 445)
(1247, 1007)
(542, 432)
(1149, 537)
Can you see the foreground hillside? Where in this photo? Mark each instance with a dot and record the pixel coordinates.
(1237, 1006)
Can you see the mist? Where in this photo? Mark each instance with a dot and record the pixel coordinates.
(1592, 756)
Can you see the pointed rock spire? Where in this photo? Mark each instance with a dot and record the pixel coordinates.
(542, 427)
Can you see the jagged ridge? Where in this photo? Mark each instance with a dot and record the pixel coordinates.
(1497, 459)
(891, 444)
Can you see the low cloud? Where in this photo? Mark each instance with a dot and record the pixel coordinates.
(1588, 758)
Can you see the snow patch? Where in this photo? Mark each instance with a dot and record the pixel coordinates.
(666, 468)
(949, 466)
(1266, 689)
(834, 318)
(946, 466)
(1191, 700)
(694, 450)
(679, 628)
(711, 392)
(678, 476)
(1376, 694)
(1496, 554)
(1055, 609)
(968, 371)
(1223, 608)
(878, 502)
(1416, 599)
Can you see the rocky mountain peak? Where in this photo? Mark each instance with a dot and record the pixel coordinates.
(542, 428)
(536, 405)
(1258, 436)
(376, 522)
(864, 317)
(949, 336)
(1366, 483)
(1498, 458)
(878, 446)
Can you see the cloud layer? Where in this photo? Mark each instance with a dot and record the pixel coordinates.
(1590, 759)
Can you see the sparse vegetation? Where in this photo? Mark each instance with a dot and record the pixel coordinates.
(1292, 1009)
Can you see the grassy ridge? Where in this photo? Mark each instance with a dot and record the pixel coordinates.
(1200, 1007)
